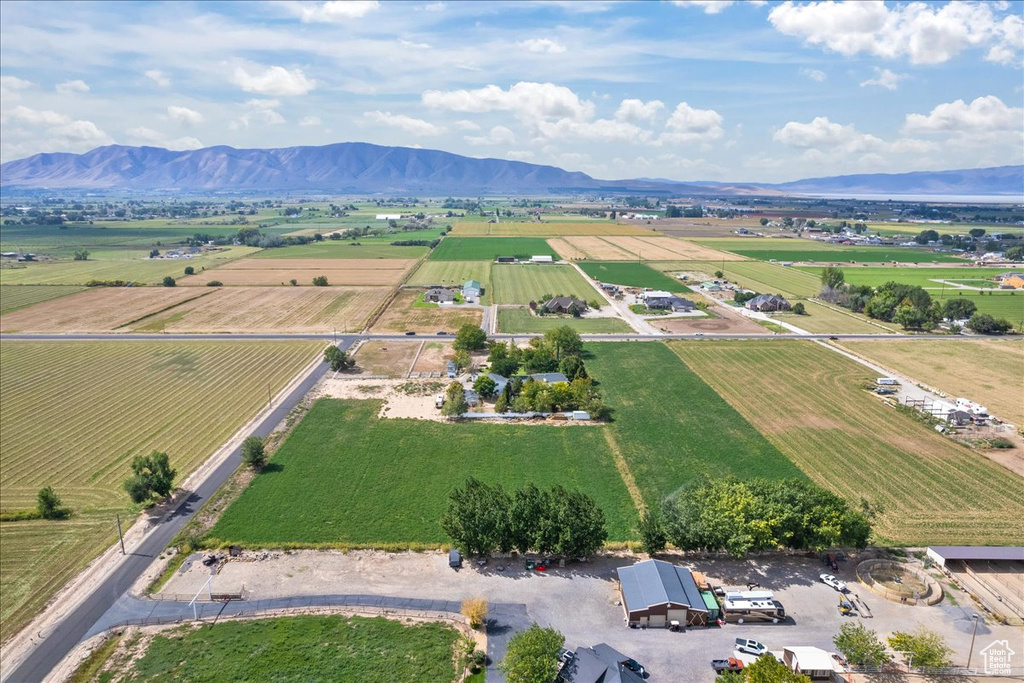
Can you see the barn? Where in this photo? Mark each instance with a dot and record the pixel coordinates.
(656, 593)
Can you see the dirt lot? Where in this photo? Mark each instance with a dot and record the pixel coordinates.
(100, 309)
(433, 357)
(403, 398)
(390, 359)
(401, 316)
(727, 321)
(280, 271)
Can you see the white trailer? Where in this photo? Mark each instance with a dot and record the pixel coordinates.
(887, 381)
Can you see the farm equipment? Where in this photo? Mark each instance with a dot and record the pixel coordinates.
(846, 608)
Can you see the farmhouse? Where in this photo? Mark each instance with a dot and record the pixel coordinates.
(673, 303)
(564, 304)
(809, 661)
(472, 289)
(599, 664)
(439, 295)
(768, 302)
(656, 593)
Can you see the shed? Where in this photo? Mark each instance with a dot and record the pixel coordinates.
(544, 258)
(941, 554)
(451, 369)
(472, 289)
(656, 593)
(809, 661)
(580, 415)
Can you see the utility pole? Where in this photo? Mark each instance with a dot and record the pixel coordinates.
(120, 536)
(970, 652)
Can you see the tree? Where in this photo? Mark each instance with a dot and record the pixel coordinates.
(983, 323)
(471, 517)
(532, 655)
(48, 504)
(469, 338)
(763, 222)
(339, 360)
(461, 359)
(799, 309)
(214, 283)
(485, 386)
(1014, 254)
(563, 341)
(169, 281)
(922, 647)
(652, 532)
(832, 277)
(254, 454)
(320, 281)
(958, 309)
(294, 282)
(572, 367)
(580, 524)
(525, 517)
(860, 645)
(154, 253)
(501, 405)
(82, 255)
(719, 274)
(767, 669)
(926, 236)
(189, 270)
(151, 475)
(454, 401)
(976, 232)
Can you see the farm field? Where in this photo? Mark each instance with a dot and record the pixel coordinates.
(520, 320)
(401, 316)
(98, 309)
(823, 319)
(404, 470)
(489, 248)
(13, 297)
(670, 426)
(619, 248)
(989, 371)
(811, 404)
(796, 249)
(299, 648)
(451, 273)
(547, 229)
(74, 413)
(269, 309)
(107, 239)
(523, 283)
(269, 271)
(632, 275)
(755, 275)
(346, 249)
(143, 271)
(1001, 304)
(922, 277)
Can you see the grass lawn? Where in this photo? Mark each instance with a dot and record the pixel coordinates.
(631, 275)
(670, 426)
(823, 319)
(810, 402)
(520, 320)
(490, 248)
(346, 477)
(300, 649)
(1001, 304)
(517, 283)
(922, 277)
(13, 297)
(451, 273)
(74, 413)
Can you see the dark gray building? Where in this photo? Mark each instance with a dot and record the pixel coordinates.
(656, 593)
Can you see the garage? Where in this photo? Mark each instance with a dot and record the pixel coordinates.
(656, 594)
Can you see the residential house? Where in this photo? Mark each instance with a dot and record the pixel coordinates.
(599, 664)
(670, 303)
(809, 661)
(472, 289)
(499, 382)
(564, 304)
(768, 302)
(656, 593)
(439, 295)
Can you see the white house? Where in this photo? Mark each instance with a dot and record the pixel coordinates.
(389, 216)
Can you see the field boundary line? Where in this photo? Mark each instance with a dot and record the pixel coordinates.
(163, 310)
(415, 358)
(623, 467)
(375, 315)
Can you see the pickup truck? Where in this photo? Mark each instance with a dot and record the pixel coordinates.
(722, 665)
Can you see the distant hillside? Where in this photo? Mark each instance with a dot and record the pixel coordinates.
(999, 180)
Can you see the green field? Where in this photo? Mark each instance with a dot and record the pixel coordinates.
(758, 276)
(137, 268)
(766, 249)
(922, 277)
(139, 236)
(13, 297)
(74, 413)
(345, 249)
(520, 320)
(452, 273)
(671, 427)
(629, 274)
(523, 283)
(1009, 305)
(822, 319)
(346, 477)
(811, 403)
(490, 248)
(303, 648)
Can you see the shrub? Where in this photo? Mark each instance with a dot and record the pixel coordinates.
(320, 281)
(475, 609)
(214, 283)
(189, 270)
(294, 282)
(254, 454)
(799, 309)
(169, 281)
(48, 504)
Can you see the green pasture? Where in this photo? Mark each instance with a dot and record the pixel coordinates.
(794, 249)
(451, 273)
(490, 248)
(520, 320)
(629, 274)
(517, 283)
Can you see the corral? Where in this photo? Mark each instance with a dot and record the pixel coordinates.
(99, 309)
(489, 248)
(13, 297)
(523, 283)
(520, 320)
(546, 229)
(74, 413)
(402, 316)
(269, 271)
(632, 275)
(811, 404)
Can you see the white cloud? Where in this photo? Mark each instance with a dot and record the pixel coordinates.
(529, 101)
(464, 124)
(335, 11)
(148, 135)
(435, 7)
(275, 80)
(408, 124)
(71, 87)
(415, 46)
(545, 45)
(259, 111)
(884, 79)
(519, 155)
(53, 131)
(310, 121)
(158, 77)
(499, 135)
(638, 110)
(11, 86)
(602, 130)
(821, 135)
(983, 115)
(691, 125)
(925, 34)
(814, 74)
(184, 115)
(709, 6)
(33, 117)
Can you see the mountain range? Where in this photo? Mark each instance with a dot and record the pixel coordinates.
(356, 167)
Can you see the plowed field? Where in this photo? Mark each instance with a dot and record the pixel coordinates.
(280, 271)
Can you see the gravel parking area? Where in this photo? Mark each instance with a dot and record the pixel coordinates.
(581, 601)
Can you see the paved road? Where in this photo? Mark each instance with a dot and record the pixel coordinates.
(78, 623)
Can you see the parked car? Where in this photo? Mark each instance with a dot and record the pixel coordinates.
(635, 667)
(454, 559)
(410, 333)
(722, 665)
(751, 647)
(833, 582)
(441, 333)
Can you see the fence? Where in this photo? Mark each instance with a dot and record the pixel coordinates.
(932, 595)
(927, 671)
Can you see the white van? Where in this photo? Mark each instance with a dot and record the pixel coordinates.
(439, 401)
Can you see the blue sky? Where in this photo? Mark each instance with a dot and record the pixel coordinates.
(684, 90)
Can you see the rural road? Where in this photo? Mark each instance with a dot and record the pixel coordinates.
(69, 632)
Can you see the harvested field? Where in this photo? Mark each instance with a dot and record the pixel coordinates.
(451, 273)
(988, 371)
(268, 271)
(567, 251)
(520, 320)
(552, 229)
(401, 316)
(270, 309)
(74, 413)
(593, 248)
(810, 402)
(646, 248)
(823, 319)
(386, 358)
(13, 297)
(523, 283)
(98, 309)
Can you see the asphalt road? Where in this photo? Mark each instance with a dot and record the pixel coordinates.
(77, 624)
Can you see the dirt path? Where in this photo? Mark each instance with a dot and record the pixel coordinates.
(632, 319)
(627, 477)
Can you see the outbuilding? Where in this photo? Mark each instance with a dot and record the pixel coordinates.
(472, 289)
(656, 593)
(809, 661)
